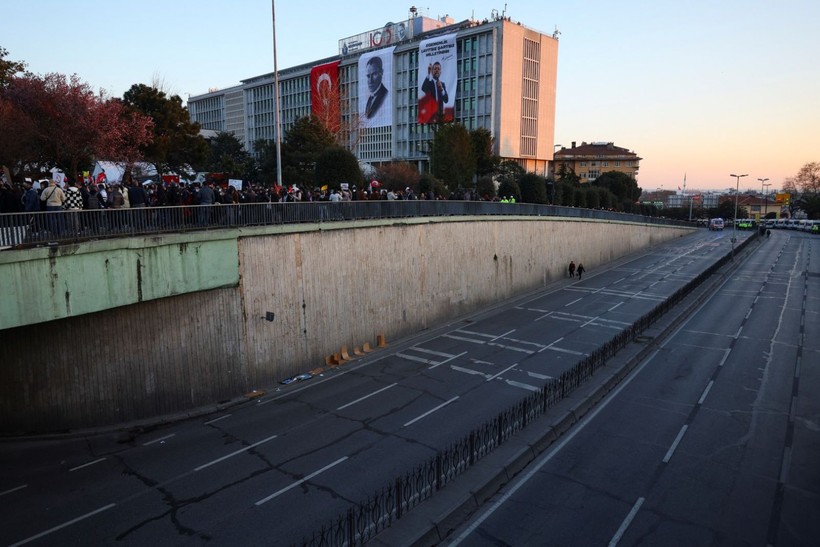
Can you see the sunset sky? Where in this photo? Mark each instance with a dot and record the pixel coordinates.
(700, 88)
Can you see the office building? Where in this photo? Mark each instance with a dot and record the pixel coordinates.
(386, 90)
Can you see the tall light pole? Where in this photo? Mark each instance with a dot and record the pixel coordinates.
(762, 185)
(734, 221)
(276, 100)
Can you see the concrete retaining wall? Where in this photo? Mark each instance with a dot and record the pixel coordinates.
(326, 286)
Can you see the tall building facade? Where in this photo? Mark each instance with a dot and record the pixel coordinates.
(386, 91)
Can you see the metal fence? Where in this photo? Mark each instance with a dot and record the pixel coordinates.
(362, 522)
(21, 230)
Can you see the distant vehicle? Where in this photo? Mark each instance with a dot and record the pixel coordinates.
(716, 224)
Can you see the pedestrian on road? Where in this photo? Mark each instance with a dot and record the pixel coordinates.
(571, 269)
(580, 270)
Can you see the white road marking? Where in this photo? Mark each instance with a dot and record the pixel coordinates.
(158, 440)
(431, 352)
(675, 444)
(416, 359)
(360, 399)
(706, 392)
(234, 453)
(469, 371)
(539, 376)
(217, 419)
(64, 525)
(442, 405)
(522, 385)
(573, 302)
(615, 306)
(15, 489)
(446, 360)
(502, 372)
(300, 481)
(98, 460)
(625, 524)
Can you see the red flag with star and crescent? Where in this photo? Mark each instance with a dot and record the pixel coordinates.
(324, 95)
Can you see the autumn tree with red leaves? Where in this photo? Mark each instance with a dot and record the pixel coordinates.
(58, 121)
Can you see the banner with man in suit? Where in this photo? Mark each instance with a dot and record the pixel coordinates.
(375, 88)
(438, 77)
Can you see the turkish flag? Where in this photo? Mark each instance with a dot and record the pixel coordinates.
(324, 95)
(428, 108)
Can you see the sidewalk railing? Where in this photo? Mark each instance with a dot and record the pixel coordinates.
(32, 229)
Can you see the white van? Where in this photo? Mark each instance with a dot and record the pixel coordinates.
(716, 224)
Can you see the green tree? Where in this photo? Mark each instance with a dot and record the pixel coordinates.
(565, 193)
(486, 187)
(620, 184)
(428, 183)
(533, 188)
(808, 178)
(336, 165)
(301, 148)
(592, 197)
(452, 159)
(176, 143)
(486, 162)
(509, 173)
(567, 174)
(226, 154)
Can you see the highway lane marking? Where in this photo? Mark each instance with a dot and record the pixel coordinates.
(615, 306)
(98, 460)
(522, 385)
(234, 453)
(64, 525)
(417, 359)
(360, 399)
(431, 352)
(463, 331)
(573, 302)
(15, 489)
(726, 353)
(706, 392)
(675, 444)
(625, 524)
(159, 440)
(217, 419)
(469, 371)
(511, 348)
(539, 376)
(463, 339)
(446, 360)
(502, 372)
(442, 405)
(300, 481)
(556, 449)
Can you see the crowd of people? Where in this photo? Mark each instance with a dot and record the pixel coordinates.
(111, 206)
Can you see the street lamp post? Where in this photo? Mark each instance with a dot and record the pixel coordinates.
(734, 221)
(762, 186)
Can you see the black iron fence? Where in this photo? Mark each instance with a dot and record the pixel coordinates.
(20, 230)
(362, 522)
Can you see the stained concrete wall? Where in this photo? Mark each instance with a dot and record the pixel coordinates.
(327, 286)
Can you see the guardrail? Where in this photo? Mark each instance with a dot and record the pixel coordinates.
(22, 230)
(364, 521)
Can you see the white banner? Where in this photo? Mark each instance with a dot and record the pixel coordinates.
(438, 77)
(376, 88)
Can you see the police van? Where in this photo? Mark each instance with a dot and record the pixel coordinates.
(716, 224)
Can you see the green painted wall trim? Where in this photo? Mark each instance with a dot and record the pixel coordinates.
(70, 280)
